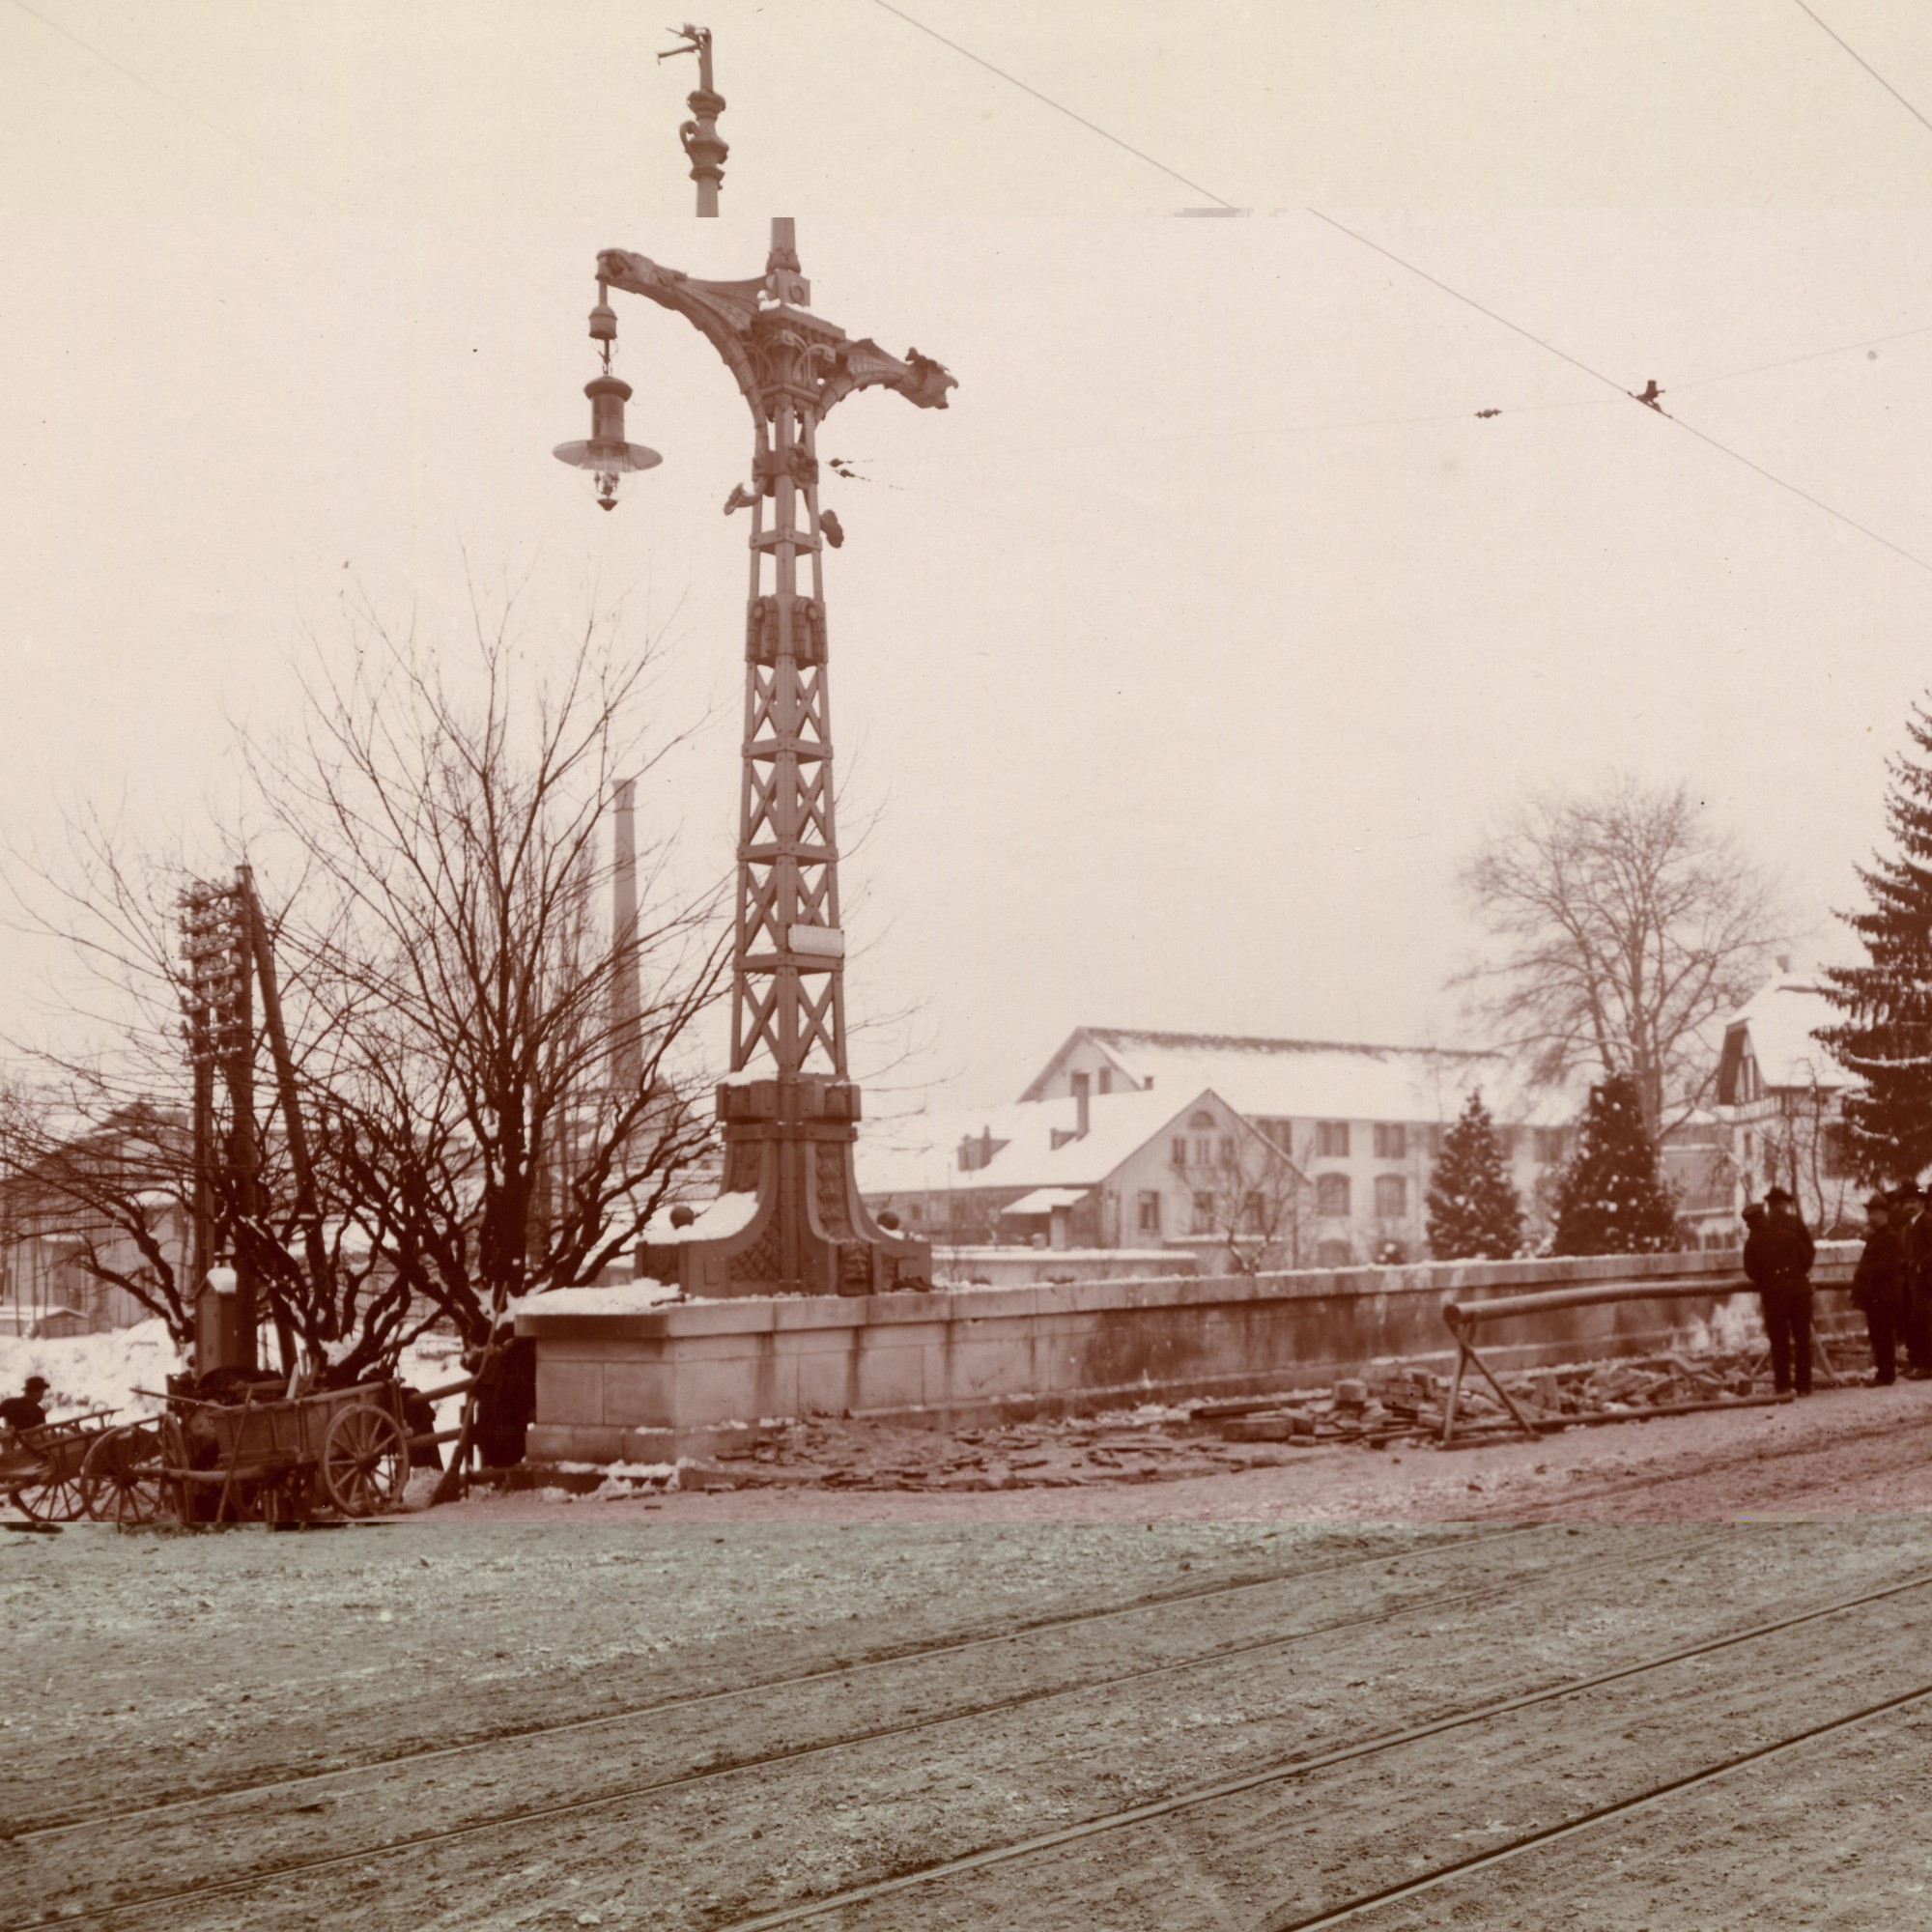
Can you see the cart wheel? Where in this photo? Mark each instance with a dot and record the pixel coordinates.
(123, 1479)
(365, 1461)
(52, 1497)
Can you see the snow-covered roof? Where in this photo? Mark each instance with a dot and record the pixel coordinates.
(1044, 1200)
(1781, 1018)
(919, 1155)
(1328, 1080)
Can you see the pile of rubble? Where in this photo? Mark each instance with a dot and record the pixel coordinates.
(1409, 1403)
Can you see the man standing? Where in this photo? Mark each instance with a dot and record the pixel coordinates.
(1878, 1289)
(1777, 1259)
(1913, 1225)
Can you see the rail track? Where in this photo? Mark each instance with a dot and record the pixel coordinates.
(70, 1836)
(122, 1815)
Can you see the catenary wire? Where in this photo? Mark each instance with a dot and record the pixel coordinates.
(159, 92)
(1059, 107)
(1864, 62)
(1690, 429)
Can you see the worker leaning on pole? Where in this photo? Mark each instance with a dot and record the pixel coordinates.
(1777, 1259)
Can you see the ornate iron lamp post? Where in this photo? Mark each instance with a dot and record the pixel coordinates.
(789, 1219)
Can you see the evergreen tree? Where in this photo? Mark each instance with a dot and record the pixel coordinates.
(1610, 1200)
(1474, 1212)
(1884, 1041)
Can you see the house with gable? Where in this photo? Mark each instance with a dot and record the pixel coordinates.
(1780, 1099)
(1364, 1123)
(1128, 1169)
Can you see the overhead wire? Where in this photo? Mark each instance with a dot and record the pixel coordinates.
(1864, 62)
(1059, 106)
(1503, 321)
(141, 81)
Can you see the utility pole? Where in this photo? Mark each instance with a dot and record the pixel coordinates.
(794, 1222)
(700, 137)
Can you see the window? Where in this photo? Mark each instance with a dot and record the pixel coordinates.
(1835, 1151)
(1331, 1139)
(1177, 1152)
(1204, 1150)
(1252, 1213)
(1226, 1152)
(916, 1211)
(1331, 1194)
(1202, 1118)
(1434, 1137)
(1148, 1218)
(1391, 1141)
(1203, 1213)
(1391, 1196)
(1547, 1144)
(1104, 1081)
(1332, 1254)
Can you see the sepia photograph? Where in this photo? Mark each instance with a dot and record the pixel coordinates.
(1252, 1252)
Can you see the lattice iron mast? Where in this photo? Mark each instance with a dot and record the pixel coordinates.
(790, 1219)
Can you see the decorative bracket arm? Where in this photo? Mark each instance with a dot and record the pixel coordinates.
(865, 365)
(721, 312)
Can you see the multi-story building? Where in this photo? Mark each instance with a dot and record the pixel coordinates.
(1359, 1127)
(1780, 1097)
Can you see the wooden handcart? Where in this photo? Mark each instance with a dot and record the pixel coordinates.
(42, 1469)
(287, 1458)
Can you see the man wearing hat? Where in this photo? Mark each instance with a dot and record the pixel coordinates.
(1878, 1289)
(1777, 1259)
(1913, 1225)
(26, 1410)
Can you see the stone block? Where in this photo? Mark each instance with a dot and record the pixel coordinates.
(570, 1389)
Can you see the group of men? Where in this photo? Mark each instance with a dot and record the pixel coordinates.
(1893, 1282)
(1892, 1287)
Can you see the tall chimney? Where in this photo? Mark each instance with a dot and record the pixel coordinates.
(627, 1047)
(1081, 1083)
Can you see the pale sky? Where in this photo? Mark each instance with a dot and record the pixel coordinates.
(1178, 662)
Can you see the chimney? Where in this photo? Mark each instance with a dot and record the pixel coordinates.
(1081, 1083)
(1784, 962)
(627, 1047)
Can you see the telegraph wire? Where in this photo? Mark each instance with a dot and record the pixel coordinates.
(1059, 107)
(1812, 355)
(1529, 335)
(161, 94)
(1865, 64)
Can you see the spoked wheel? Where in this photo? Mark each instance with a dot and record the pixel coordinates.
(51, 1497)
(365, 1462)
(123, 1479)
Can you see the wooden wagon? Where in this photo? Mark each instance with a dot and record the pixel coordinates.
(42, 1468)
(283, 1458)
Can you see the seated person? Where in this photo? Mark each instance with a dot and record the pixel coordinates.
(26, 1410)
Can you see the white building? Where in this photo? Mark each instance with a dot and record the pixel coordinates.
(1362, 1125)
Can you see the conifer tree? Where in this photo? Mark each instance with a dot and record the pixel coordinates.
(1884, 1041)
(1610, 1200)
(1474, 1211)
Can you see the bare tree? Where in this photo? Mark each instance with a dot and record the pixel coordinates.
(1257, 1201)
(486, 1116)
(500, 1114)
(1622, 927)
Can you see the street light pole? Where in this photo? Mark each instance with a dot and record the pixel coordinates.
(700, 136)
(790, 1219)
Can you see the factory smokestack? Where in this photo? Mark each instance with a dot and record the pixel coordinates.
(627, 1048)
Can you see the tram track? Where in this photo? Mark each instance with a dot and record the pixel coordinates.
(124, 1815)
(1036, 1845)
(1298, 1764)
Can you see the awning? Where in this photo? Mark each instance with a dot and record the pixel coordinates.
(1044, 1200)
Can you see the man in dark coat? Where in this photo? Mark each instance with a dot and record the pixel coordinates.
(26, 1410)
(1777, 1259)
(1878, 1289)
(1912, 1223)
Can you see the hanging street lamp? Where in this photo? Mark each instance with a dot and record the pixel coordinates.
(789, 1219)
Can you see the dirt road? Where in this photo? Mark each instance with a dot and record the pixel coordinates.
(871, 1727)
(1259, 1699)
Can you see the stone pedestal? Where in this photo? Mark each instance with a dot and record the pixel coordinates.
(790, 1220)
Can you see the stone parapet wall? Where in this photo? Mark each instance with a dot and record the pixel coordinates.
(641, 1386)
